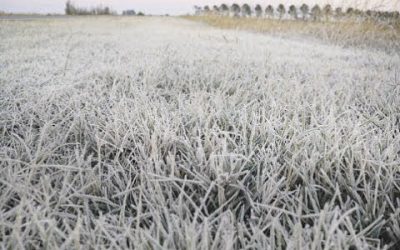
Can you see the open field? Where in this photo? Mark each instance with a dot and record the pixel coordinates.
(163, 133)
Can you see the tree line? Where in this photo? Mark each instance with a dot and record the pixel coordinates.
(303, 12)
(132, 13)
(71, 9)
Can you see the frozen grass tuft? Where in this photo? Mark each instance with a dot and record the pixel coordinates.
(160, 133)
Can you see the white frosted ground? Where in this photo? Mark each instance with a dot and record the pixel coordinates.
(161, 132)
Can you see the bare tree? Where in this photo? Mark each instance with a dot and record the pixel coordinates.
(197, 9)
(235, 8)
(396, 15)
(327, 10)
(281, 10)
(269, 11)
(107, 11)
(70, 8)
(304, 11)
(128, 12)
(358, 13)
(258, 10)
(350, 11)
(293, 11)
(368, 14)
(316, 12)
(339, 12)
(246, 10)
(216, 9)
(224, 9)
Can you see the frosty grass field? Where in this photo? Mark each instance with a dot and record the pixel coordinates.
(162, 133)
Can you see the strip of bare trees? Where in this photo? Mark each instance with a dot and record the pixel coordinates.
(71, 9)
(302, 12)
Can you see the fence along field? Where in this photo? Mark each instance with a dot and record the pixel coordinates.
(164, 133)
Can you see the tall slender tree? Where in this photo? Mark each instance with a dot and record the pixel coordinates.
(281, 10)
(395, 15)
(269, 11)
(316, 12)
(107, 11)
(235, 8)
(358, 13)
(338, 12)
(258, 10)
(350, 11)
(304, 11)
(197, 9)
(70, 8)
(224, 9)
(246, 10)
(216, 9)
(327, 10)
(293, 11)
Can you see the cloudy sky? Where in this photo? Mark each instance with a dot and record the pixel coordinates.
(171, 6)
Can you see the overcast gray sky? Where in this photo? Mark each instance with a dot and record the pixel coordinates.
(172, 6)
